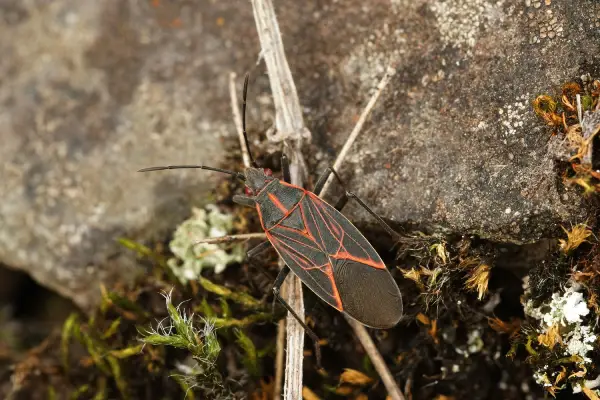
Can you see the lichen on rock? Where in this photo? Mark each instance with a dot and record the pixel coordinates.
(191, 256)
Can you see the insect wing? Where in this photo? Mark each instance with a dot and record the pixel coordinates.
(365, 288)
(332, 258)
(336, 235)
(306, 259)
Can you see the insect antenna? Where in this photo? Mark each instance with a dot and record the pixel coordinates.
(238, 175)
(244, 95)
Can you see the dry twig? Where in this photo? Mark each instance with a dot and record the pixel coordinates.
(361, 122)
(232, 238)
(237, 118)
(290, 128)
(246, 157)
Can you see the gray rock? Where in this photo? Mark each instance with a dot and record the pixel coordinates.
(454, 144)
(92, 91)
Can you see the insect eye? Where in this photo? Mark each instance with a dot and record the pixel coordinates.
(248, 192)
(268, 172)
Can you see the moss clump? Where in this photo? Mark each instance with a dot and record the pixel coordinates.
(560, 334)
(197, 336)
(574, 117)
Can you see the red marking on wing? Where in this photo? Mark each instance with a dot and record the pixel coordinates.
(284, 183)
(260, 218)
(303, 233)
(304, 218)
(306, 231)
(288, 251)
(336, 295)
(347, 256)
(338, 233)
(303, 261)
(277, 203)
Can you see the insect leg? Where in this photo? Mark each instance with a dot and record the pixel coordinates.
(259, 248)
(384, 225)
(285, 168)
(276, 288)
(244, 200)
(321, 181)
(250, 256)
(350, 195)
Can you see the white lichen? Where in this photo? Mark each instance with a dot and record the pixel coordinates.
(191, 256)
(460, 21)
(563, 314)
(579, 342)
(565, 310)
(512, 115)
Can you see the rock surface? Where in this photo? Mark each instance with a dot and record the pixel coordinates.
(455, 144)
(92, 91)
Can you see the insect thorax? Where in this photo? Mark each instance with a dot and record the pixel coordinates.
(276, 201)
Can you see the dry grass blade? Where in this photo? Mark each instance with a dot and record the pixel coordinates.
(237, 118)
(387, 77)
(355, 377)
(290, 126)
(389, 382)
(232, 238)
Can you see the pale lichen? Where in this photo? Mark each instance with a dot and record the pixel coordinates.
(460, 22)
(513, 115)
(191, 256)
(563, 308)
(562, 320)
(543, 22)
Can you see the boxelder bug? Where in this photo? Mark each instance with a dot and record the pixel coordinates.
(318, 243)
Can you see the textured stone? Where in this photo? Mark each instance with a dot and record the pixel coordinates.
(454, 143)
(92, 91)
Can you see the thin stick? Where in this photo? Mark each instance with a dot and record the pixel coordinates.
(359, 125)
(232, 238)
(359, 329)
(290, 127)
(288, 112)
(389, 382)
(237, 118)
(279, 355)
(579, 109)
